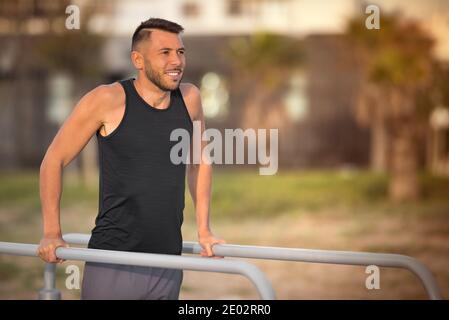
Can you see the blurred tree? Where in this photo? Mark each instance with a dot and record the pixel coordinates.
(43, 46)
(396, 62)
(437, 159)
(263, 65)
(26, 21)
(76, 53)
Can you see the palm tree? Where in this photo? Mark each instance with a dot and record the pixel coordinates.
(263, 65)
(396, 63)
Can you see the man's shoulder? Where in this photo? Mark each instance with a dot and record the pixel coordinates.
(105, 98)
(109, 92)
(189, 90)
(192, 98)
(191, 95)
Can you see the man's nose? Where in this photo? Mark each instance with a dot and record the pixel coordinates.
(176, 59)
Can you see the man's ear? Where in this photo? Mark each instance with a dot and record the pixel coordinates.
(137, 60)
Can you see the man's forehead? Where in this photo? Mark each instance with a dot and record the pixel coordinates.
(161, 38)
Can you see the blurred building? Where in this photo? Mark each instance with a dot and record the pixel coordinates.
(35, 100)
(36, 96)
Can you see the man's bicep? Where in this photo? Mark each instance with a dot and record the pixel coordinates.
(77, 130)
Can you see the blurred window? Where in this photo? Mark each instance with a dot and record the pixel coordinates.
(14, 9)
(191, 9)
(60, 98)
(235, 7)
(253, 8)
(296, 101)
(8, 8)
(214, 96)
(48, 7)
(243, 7)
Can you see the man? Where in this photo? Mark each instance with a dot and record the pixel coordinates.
(141, 189)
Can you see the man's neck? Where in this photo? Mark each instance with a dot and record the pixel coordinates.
(151, 93)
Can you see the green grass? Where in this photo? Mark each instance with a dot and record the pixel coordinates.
(249, 194)
(22, 190)
(244, 194)
(237, 195)
(8, 270)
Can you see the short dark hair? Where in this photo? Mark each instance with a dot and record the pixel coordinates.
(142, 33)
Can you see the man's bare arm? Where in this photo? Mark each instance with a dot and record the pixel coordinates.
(87, 117)
(199, 176)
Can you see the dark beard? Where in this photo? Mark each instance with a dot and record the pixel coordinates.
(157, 79)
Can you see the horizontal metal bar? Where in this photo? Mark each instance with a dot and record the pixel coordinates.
(331, 257)
(309, 255)
(245, 269)
(76, 238)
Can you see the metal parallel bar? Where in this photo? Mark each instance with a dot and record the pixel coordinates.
(309, 255)
(49, 292)
(248, 270)
(76, 238)
(331, 257)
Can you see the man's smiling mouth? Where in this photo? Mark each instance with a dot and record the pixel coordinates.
(174, 74)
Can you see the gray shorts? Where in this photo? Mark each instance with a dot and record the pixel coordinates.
(121, 282)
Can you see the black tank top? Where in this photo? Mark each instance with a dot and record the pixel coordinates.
(141, 198)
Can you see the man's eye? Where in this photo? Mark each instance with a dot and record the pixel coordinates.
(181, 52)
(165, 52)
